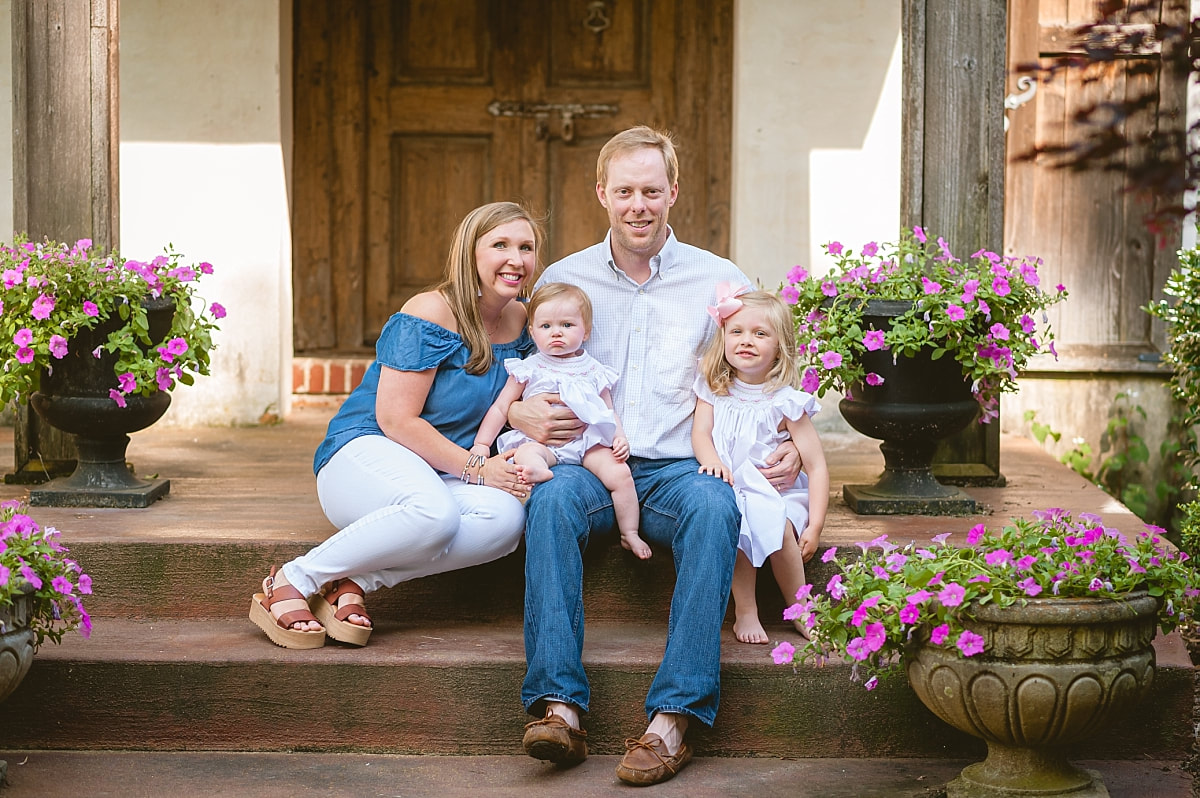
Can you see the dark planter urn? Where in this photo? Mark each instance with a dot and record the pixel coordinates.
(920, 402)
(16, 642)
(1052, 672)
(74, 398)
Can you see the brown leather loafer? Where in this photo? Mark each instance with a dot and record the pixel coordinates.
(553, 739)
(647, 762)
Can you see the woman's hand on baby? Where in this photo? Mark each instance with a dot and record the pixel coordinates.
(501, 472)
(620, 447)
(717, 470)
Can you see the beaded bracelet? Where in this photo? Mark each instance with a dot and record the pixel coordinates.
(472, 461)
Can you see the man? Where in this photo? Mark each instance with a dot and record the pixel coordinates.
(650, 295)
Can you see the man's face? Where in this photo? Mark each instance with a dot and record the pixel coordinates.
(638, 199)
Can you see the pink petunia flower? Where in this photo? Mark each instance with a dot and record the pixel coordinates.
(939, 634)
(217, 309)
(873, 340)
(42, 307)
(58, 346)
(90, 309)
(783, 653)
(797, 274)
(789, 294)
(920, 234)
(955, 312)
(952, 594)
(969, 643)
(1030, 587)
(831, 360)
(117, 397)
(874, 379)
(858, 649)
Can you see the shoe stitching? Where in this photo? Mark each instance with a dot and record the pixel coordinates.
(632, 744)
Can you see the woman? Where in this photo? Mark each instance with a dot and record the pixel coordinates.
(394, 473)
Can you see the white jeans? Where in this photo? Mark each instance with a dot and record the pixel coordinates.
(400, 519)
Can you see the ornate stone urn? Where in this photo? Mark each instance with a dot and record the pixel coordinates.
(920, 402)
(75, 399)
(1052, 672)
(16, 643)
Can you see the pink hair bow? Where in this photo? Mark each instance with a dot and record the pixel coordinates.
(727, 302)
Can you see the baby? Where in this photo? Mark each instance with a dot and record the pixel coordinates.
(560, 320)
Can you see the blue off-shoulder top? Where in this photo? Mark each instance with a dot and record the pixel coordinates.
(457, 400)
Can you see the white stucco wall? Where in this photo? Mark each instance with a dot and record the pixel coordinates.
(202, 168)
(816, 130)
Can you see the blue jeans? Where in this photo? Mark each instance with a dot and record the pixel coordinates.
(695, 516)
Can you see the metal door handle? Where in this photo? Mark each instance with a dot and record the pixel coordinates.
(567, 113)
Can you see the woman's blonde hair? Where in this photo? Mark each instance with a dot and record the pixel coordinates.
(460, 285)
(548, 292)
(783, 374)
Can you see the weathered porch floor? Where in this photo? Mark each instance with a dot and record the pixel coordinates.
(174, 666)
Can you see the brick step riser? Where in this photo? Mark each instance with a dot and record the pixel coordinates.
(190, 580)
(475, 710)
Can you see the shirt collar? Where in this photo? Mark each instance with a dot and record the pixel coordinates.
(664, 260)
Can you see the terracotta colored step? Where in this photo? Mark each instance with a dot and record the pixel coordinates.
(171, 578)
(58, 774)
(454, 689)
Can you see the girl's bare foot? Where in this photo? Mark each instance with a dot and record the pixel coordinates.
(748, 629)
(805, 631)
(633, 542)
(533, 475)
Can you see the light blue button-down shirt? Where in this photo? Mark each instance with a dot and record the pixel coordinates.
(652, 334)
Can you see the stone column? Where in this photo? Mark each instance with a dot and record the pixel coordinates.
(65, 145)
(952, 173)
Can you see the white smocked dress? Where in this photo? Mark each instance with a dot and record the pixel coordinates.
(578, 381)
(746, 429)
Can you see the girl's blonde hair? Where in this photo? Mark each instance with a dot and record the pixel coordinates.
(460, 284)
(783, 374)
(548, 292)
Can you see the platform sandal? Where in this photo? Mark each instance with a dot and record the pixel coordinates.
(280, 630)
(333, 618)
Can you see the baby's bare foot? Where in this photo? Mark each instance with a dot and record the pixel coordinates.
(747, 629)
(633, 542)
(532, 475)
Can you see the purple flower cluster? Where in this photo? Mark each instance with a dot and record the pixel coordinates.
(981, 311)
(880, 602)
(32, 556)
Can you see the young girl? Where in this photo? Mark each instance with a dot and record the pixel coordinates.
(560, 321)
(747, 405)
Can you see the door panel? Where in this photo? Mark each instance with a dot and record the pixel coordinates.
(1090, 232)
(445, 108)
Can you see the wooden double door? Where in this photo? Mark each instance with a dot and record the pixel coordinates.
(408, 113)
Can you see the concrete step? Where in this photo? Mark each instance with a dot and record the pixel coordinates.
(167, 577)
(109, 774)
(219, 685)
